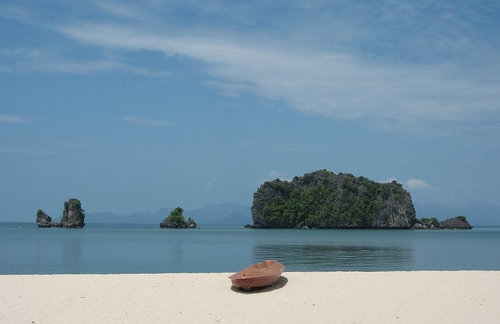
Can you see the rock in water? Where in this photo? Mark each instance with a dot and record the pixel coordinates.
(177, 220)
(73, 214)
(427, 223)
(191, 223)
(44, 220)
(459, 222)
(323, 199)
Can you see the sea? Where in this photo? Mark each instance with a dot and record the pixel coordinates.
(115, 248)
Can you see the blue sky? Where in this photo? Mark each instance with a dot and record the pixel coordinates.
(136, 106)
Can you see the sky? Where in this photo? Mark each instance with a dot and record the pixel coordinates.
(135, 106)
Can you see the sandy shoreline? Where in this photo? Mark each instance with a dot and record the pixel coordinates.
(299, 297)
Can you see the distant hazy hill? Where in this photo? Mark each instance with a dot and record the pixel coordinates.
(234, 214)
(221, 214)
(135, 218)
(477, 214)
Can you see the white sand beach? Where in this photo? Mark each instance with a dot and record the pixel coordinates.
(299, 297)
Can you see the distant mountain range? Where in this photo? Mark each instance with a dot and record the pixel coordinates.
(220, 214)
(234, 214)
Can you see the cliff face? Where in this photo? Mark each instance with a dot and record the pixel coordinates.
(323, 199)
(73, 214)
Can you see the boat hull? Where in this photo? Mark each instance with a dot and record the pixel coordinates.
(258, 275)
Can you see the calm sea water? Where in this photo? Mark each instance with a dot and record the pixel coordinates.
(26, 249)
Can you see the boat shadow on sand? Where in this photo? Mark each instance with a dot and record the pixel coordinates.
(280, 283)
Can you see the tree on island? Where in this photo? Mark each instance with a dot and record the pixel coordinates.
(177, 220)
(176, 217)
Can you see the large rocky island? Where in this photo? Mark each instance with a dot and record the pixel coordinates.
(323, 199)
(73, 216)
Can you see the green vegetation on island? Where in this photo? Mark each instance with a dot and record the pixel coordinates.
(323, 199)
(176, 220)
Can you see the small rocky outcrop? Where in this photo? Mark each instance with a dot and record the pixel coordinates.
(459, 222)
(191, 223)
(323, 199)
(176, 220)
(427, 223)
(44, 220)
(73, 214)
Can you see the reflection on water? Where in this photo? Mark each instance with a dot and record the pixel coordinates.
(148, 249)
(336, 257)
(72, 251)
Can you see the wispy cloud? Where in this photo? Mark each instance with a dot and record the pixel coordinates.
(13, 119)
(150, 122)
(413, 183)
(394, 98)
(417, 184)
(25, 60)
(405, 87)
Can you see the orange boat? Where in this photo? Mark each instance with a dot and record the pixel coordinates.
(258, 275)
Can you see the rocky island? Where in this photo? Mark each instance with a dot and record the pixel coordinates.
(176, 220)
(459, 222)
(44, 220)
(323, 199)
(73, 216)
